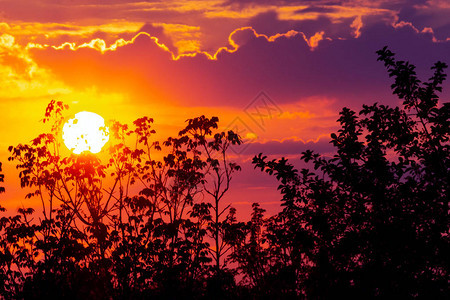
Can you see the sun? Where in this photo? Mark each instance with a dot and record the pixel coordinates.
(85, 132)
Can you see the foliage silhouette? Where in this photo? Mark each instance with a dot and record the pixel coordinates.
(129, 228)
(149, 222)
(373, 220)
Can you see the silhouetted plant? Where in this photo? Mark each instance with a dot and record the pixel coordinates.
(135, 224)
(219, 172)
(374, 223)
(2, 179)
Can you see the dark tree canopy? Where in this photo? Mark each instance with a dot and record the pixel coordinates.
(373, 220)
(370, 222)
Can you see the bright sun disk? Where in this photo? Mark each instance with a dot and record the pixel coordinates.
(86, 132)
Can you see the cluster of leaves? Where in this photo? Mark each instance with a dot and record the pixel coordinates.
(372, 221)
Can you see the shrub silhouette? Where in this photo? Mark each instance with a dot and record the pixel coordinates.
(148, 222)
(373, 220)
(97, 238)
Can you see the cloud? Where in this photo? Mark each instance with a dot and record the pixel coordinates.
(20, 74)
(432, 14)
(316, 9)
(357, 24)
(205, 25)
(281, 64)
(177, 33)
(184, 38)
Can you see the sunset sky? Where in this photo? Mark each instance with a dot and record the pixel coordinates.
(277, 71)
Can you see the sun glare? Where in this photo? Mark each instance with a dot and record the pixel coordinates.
(86, 132)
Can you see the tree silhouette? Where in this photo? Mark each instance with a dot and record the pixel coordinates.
(374, 221)
(135, 224)
(220, 171)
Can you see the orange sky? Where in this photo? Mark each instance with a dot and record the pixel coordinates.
(277, 71)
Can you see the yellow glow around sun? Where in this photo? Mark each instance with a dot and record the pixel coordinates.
(86, 132)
